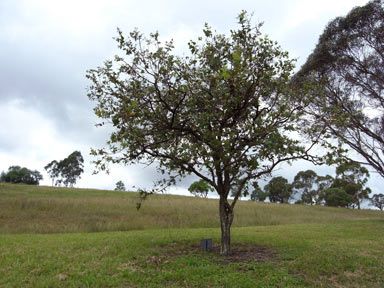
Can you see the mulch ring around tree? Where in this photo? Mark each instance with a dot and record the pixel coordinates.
(241, 253)
(246, 253)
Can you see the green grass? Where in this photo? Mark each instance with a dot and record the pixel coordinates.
(309, 246)
(345, 254)
(39, 209)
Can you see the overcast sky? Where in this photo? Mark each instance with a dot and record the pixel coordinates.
(46, 46)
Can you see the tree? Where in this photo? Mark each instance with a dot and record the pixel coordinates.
(305, 182)
(200, 188)
(336, 197)
(325, 182)
(53, 171)
(221, 112)
(377, 200)
(67, 171)
(279, 190)
(352, 177)
(71, 168)
(17, 174)
(258, 194)
(120, 186)
(348, 62)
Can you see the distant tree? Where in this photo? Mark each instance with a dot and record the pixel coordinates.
(279, 190)
(352, 177)
(258, 194)
(120, 186)
(348, 63)
(71, 168)
(336, 197)
(200, 188)
(224, 112)
(66, 171)
(377, 200)
(305, 183)
(17, 174)
(53, 171)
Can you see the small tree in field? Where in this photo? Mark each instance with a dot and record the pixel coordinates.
(222, 113)
(120, 186)
(200, 188)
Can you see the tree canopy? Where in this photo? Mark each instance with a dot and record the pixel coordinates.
(336, 197)
(348, 64)
(225, 112)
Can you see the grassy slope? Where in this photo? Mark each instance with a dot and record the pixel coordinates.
(34, 209)
(315, 246)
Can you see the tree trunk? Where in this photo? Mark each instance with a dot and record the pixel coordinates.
(226, 218)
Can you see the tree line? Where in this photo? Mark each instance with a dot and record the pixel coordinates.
(66, 172)
(347, 189)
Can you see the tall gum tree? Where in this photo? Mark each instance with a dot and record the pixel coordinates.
(224, 112)
(348, 63)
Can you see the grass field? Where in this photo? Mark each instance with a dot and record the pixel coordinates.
(292, 245)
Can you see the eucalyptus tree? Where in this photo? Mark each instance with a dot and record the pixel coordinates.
(71, 168)
(66, 171)
(348, 64)
(224, 111)
(306, 183)
(352, 178)
(53, 170)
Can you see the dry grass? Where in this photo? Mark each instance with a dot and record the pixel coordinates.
(39, 209)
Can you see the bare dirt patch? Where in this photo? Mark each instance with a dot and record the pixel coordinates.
(241, 253)
(247, 253)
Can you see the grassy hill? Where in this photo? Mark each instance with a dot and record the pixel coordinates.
(40, 209)
(274, 245)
